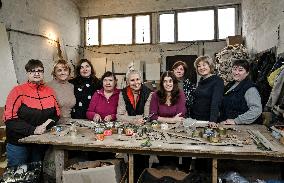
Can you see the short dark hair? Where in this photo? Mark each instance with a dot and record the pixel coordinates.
(32, 64)
(243, 63)
(108, 74)
(182, 63)
(93, 73)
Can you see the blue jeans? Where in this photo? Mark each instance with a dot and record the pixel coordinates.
(23, 154)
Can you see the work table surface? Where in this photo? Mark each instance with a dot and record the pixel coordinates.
(86, 140)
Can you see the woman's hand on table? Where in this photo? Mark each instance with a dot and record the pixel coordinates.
(177, 118)
(228, 122)
(108, 118)
(213, 125)
(97, 118)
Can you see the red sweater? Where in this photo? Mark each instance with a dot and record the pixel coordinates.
(28, 105)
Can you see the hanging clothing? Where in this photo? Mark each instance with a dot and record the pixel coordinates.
(260, 71)
(84, 89)
(276, 97)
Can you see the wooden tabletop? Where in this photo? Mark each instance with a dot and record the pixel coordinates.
(85, 140)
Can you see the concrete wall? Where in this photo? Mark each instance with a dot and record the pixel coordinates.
(263, 24)
(52, 18)
(153, 52)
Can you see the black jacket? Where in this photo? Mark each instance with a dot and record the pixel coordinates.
(84, 88)
(207, 99)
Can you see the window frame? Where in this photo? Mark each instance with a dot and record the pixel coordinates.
(157, 14)
(133, 16)
(216, 31)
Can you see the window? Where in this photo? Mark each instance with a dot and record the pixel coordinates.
(226, 22)
(92, 35)
(117, 30)
(167, 27)
(142, 29)
(200, 24)
(196, 25)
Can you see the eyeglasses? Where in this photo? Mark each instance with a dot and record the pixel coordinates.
(36, 71)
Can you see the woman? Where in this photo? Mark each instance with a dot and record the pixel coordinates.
(241, 102)
(168, 103)
(63, 89)
(134, 100)
(168, 106)
(103, 105)
(30, 109)
(85, 84)
(180, 68)
(133, 105)
(209, 92)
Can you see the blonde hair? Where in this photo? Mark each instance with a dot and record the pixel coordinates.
(65, 65)
(207, 60)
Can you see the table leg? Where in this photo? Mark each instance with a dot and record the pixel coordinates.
(59, 164)
(214, 171)
(130, 168)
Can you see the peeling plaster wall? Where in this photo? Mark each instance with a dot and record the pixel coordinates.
(153, 52)
(263, 24)
(42, 17)
(110, 7)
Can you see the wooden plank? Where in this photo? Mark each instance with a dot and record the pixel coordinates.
(131, 168)
(59, 164)
(214, 171)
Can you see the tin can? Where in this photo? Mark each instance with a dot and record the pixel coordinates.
(129, 131)
(222, 131)
(119, 131)
(107, 133)
(214, 138)
(56, 129)
(100, 137)
(114, 130)
(196, 133)
(164, 126)
(99, 130)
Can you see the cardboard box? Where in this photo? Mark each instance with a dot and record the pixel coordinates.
(104, 174)
(232, 40)
(1, 116)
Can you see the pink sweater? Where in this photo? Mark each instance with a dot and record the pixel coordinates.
(101, 105)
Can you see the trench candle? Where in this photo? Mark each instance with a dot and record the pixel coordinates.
(107, 133)
(164, 126)
(129, 131)
(100, 137)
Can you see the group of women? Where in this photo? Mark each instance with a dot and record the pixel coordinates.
(33, 107)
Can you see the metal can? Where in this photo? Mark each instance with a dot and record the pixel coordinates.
(119, 131)
(56, 129)
(107, 133)
(164, 126)
(100, 137)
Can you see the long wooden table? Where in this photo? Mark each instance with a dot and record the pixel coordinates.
(85, 141)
